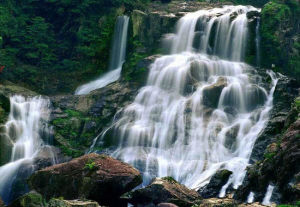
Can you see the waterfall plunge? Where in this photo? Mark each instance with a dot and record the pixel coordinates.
(26, 123)
(117, 59)
(198, 113)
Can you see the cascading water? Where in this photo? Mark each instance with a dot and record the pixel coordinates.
(23, 130)
(198, 113)
(117, 59)
(257, 43)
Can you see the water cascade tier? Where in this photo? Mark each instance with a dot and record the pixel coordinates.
(117, 58)
(24, 130)
(202, 108)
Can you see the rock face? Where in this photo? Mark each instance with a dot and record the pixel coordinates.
(77, 120)
(284, 94)
(97, 177)
(280, 166)
(164, 190)
(213, 188)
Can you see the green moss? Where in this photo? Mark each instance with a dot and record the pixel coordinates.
(73, 113)
(90, 165)
(169, 179)
(269, 156)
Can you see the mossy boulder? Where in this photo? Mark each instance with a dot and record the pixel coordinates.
(31, 199)
(96, 177)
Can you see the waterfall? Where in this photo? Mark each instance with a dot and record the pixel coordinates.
(267, 198)
(27, 123)
(117, 58)
(202, 108)
(257, 42)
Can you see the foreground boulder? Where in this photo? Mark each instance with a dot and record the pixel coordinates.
(163, 190)
(31, 199)
(213, 188)
(96, 177)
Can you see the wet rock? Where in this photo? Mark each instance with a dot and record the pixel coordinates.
(163, 190)
(97, 177)
(284, 94)
(5, 149)
(31, 199)
(279, 166)
(213, 188)
(212, 93)
(252, 14)
(230, 137)
(71, 203)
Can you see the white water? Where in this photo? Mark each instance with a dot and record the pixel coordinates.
(26, 122)
(250, 198)
(170, 130)
(117, 59)
(267, 198)
(257, 42)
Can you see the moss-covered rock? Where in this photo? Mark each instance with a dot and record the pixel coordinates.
(280, 36)
(31, 199)
(279, 166)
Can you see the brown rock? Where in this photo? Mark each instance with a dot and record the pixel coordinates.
(93, 176)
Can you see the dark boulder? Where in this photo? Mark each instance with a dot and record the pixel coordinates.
(163, 190)
(97, 177)
(212, 93)
(213, 188)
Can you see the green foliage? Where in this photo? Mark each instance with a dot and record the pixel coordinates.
(269, 155)
(169, 179)
(61, 42)
(279, 16)
(90, 165)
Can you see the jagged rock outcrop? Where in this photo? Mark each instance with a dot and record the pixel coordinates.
(213, 188)
(96, 177)
(163, 190)
(280, 166)
(284, 94)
